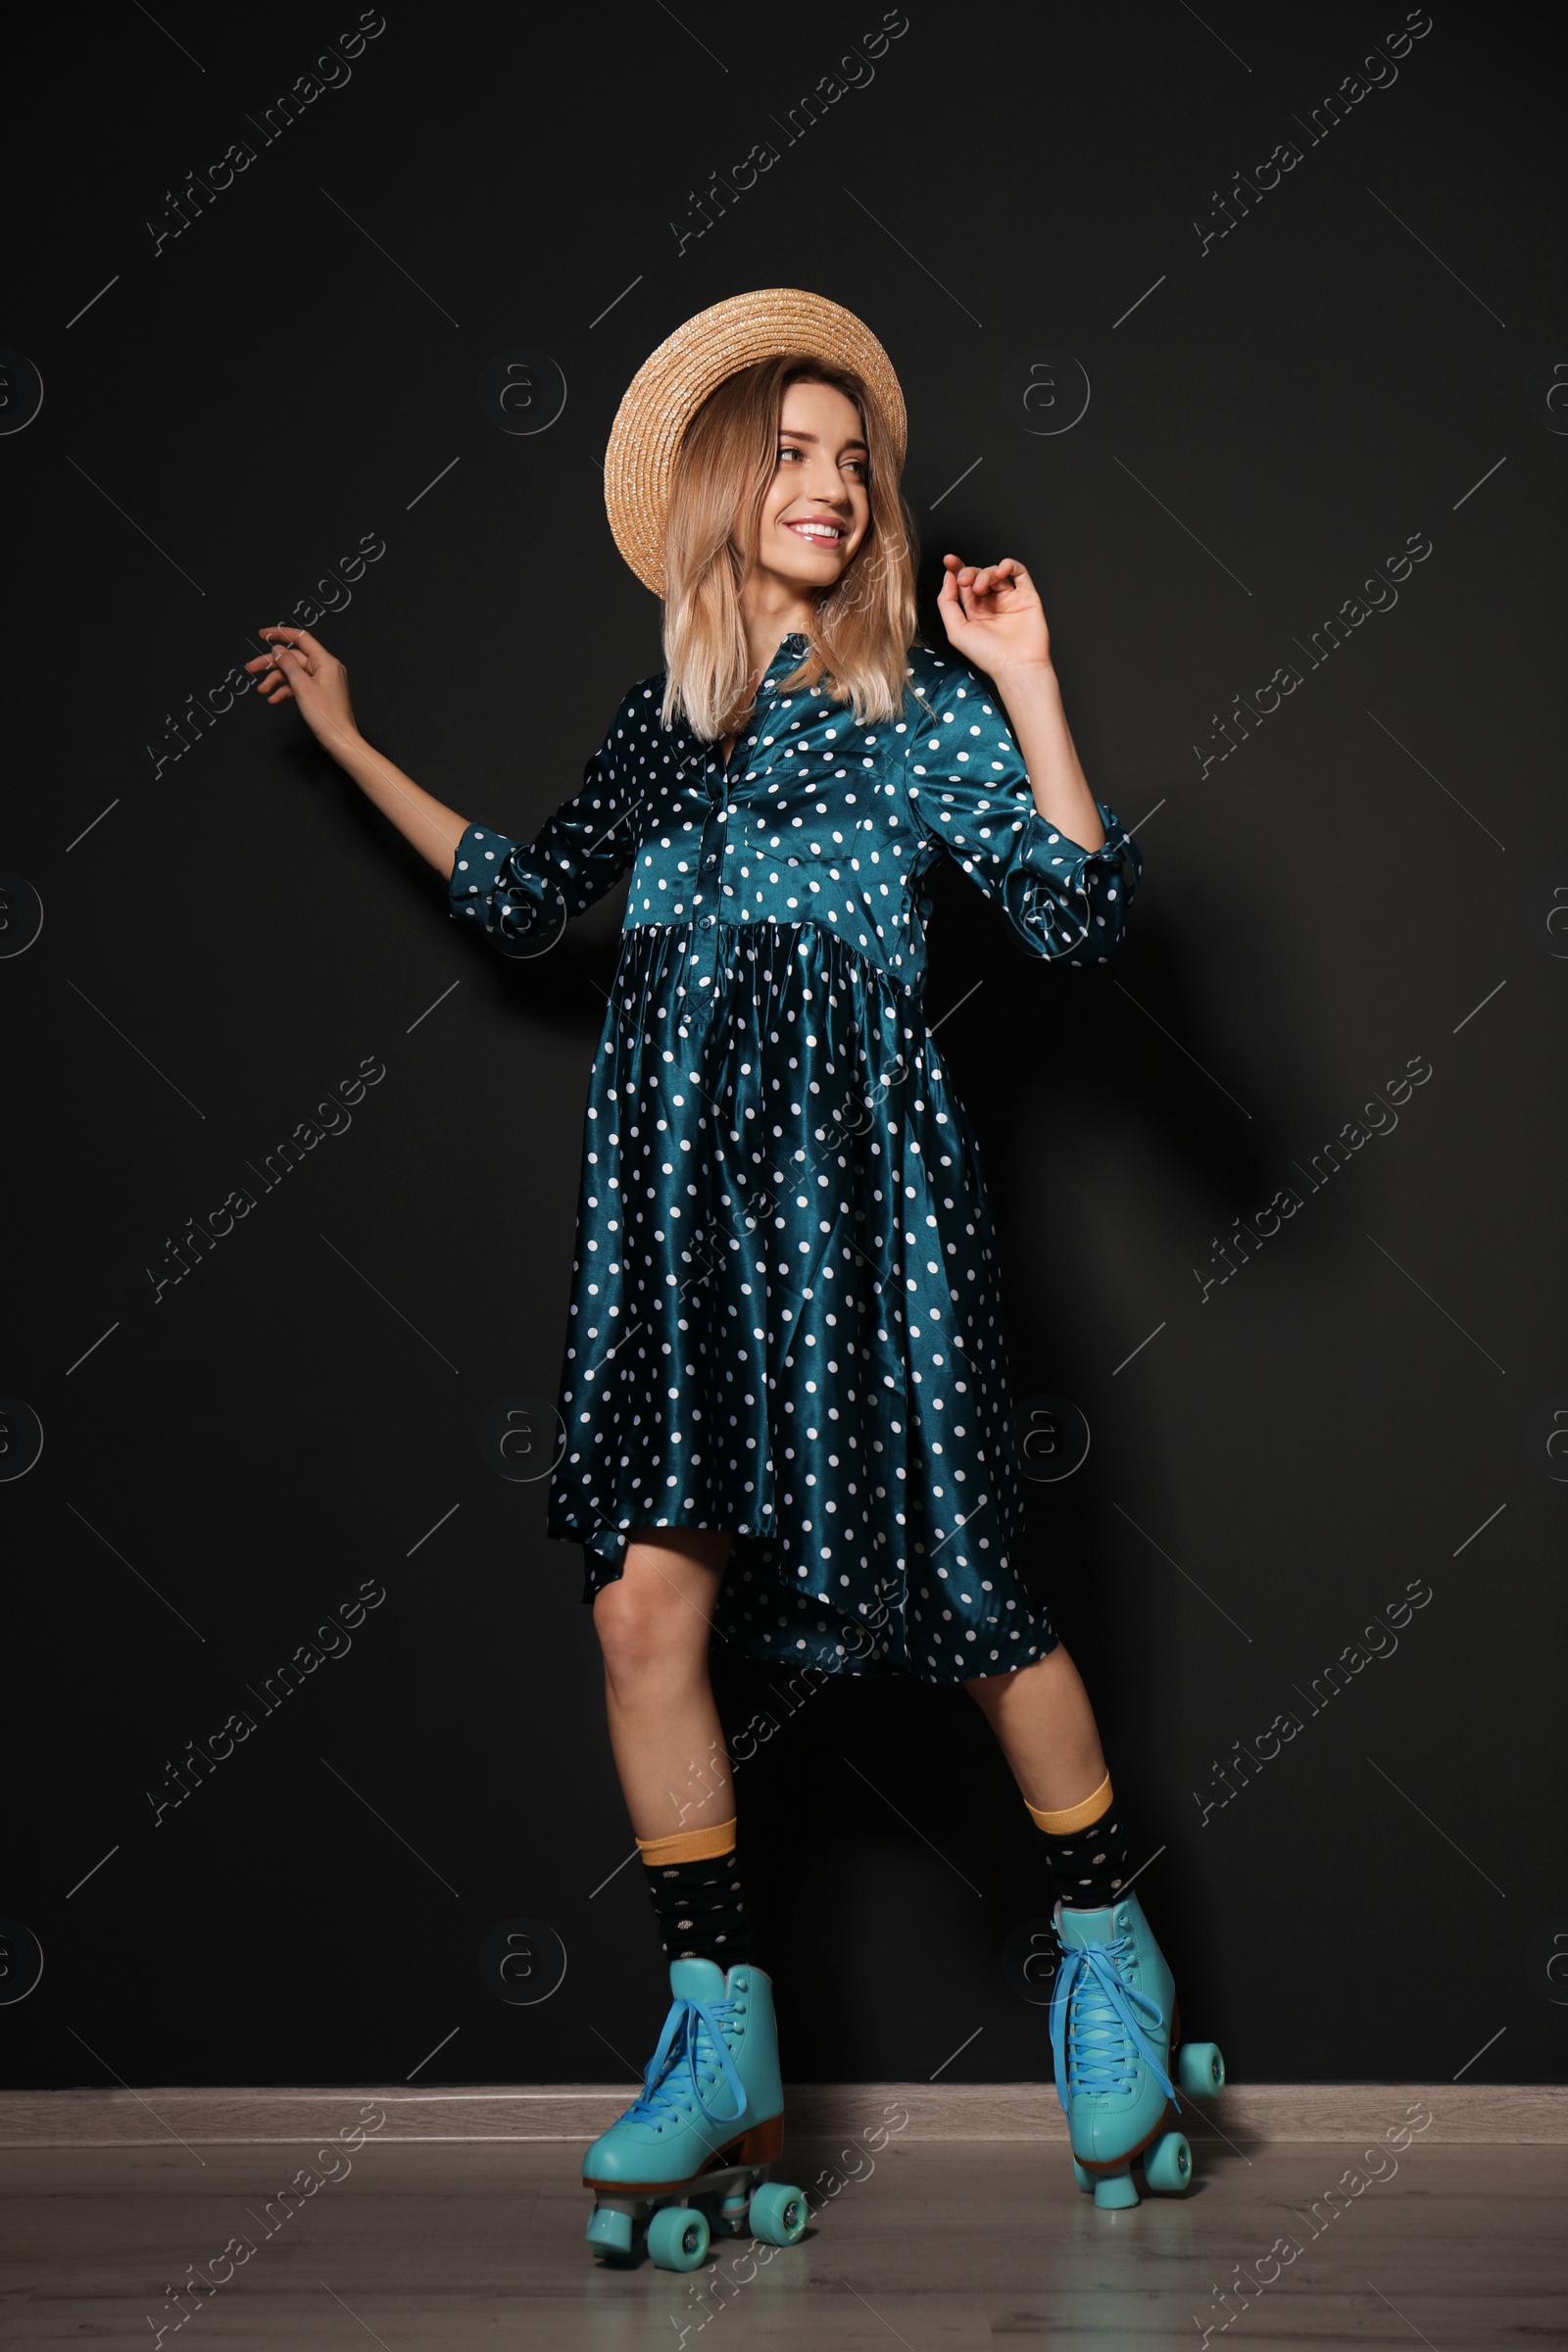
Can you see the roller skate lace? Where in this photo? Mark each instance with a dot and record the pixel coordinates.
(1100, 2026)
(693, 2056)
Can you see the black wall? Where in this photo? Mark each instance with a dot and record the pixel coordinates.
(1359, 889)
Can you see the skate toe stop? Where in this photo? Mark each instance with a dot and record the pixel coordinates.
(1113, 2191)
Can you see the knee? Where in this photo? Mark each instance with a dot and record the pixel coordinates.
(638, 1635)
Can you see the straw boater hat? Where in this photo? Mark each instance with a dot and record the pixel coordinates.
(671, 385)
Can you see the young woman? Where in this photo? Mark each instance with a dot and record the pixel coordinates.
(785, 1399)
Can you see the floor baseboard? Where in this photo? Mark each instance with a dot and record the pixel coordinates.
(1526, 2114)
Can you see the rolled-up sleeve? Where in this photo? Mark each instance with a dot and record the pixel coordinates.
(521, 893)
(507, 889)
(970, 797)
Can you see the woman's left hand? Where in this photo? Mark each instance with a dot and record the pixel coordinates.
(993, 615)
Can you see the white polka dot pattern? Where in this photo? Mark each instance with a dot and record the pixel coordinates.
(785, 1316)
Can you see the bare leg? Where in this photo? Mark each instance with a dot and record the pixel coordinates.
(653, 1626)
(1042, 1716)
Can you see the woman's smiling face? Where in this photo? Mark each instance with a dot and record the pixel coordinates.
(817, 508)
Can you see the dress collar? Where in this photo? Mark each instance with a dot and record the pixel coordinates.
(791, 650)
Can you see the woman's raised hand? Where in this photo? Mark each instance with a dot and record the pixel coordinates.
(993, 615)
(299, 670)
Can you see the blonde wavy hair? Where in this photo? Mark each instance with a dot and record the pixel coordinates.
(862, 629)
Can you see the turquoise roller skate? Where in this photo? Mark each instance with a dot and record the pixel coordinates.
(692, 2156)
(1113, 2028)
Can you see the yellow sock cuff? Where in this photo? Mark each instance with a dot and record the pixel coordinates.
(689, 1845)
(1074, 1817)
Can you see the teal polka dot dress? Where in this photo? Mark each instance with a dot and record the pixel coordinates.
(785, 1314)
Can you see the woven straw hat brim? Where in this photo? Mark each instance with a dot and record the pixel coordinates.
(672, 384)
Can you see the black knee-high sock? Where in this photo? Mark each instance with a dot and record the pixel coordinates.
(697, 1900)
(1089, 1861)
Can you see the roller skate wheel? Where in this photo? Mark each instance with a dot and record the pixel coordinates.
(1168, 2165)
(609, 2232)
(1199, 2069)
(778, 2215)
(1114, 2190)
(678, 2238)
(1085, 2180)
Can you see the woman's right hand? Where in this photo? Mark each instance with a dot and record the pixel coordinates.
(299, 670)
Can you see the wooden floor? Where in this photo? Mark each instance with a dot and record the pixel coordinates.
(937, 2247)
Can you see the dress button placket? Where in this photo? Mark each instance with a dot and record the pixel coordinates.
(707, 936)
